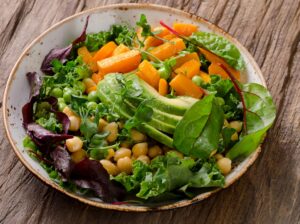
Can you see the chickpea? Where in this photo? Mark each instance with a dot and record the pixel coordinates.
(154, 151)
(234, 136)
(137, 136)
(125, 144)
(121, 153)
(110, 154)
(226, 124)
(67, 110)
(179, 154)
(113, 129)
(125, 165)
(144, 159)
(111, 168)
(224, 165)
(120, 124)
(102, 123)
(218, 156)
(140, 149)
(78, 156)
(74, 123)
(237, 125)
(74, 144)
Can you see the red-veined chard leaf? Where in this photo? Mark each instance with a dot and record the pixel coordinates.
(259, 115)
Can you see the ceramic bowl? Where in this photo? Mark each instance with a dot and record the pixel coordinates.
(17, 88)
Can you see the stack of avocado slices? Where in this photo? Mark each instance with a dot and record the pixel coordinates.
(126, 92)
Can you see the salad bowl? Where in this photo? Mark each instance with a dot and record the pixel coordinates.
(17, 89)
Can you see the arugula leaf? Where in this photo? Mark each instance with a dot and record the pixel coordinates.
(198, 131)
(221, 47)
(260, 115)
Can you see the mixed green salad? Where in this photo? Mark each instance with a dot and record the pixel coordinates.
(145, 113)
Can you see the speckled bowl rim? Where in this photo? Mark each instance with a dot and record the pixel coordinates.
(127, 208)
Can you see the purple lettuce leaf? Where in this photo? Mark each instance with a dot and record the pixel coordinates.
(62, 161)
(44, 136)
(62, 54)
(90, 174)
(35, 82)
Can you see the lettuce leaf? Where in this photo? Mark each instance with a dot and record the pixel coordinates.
(168, 173)
(132, 182)
(221, 47)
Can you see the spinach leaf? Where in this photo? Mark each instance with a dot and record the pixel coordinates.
(260, 115)
(226, 137)
(198, 131)
(221, 47)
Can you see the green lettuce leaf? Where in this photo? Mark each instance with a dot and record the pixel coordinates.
(260, 115)
(208, 176)
(168, 173)
(221, 47)
(132, 182)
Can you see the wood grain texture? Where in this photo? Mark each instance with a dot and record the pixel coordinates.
(268, 193)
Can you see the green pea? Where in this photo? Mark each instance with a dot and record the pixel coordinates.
(60, 100)
(81, 86)
(197, 80)
(163, 73)
(67, 96)
(220, 101)
(66, 89)
(93, 97)
(56, 92)
(91, 105)
(61, 106)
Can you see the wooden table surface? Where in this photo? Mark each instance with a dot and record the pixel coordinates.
(268, 193)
